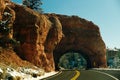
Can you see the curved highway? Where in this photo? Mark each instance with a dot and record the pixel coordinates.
(81, 75)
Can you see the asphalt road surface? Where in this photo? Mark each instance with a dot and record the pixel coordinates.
(82, 75)
(115, 73)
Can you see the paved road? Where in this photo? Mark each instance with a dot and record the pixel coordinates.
(81, 75)
(115, 73)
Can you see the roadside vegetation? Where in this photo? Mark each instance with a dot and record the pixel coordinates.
(113, 58)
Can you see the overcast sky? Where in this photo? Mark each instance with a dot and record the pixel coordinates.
(104, 13)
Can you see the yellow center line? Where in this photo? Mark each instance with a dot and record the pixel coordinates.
(76, 76)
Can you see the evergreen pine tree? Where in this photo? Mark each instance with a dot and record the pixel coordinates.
(33, 4)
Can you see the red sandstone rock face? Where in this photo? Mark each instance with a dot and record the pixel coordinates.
(42, 35)
(7, 20)
(38, 35)
(9, 58)
(84, 37)
(2, 7)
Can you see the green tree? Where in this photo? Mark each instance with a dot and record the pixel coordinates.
(33, 4)
(72, 60)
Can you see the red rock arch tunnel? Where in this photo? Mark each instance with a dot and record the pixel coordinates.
(40, 38)
(83, 37)
(47, 43)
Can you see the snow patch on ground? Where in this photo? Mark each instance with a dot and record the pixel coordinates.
(24, 74)
(45, 75)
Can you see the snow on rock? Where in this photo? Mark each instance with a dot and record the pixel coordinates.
(20, 74)
(1, 72)
(24, 74)
(47, 75)
(32, 72)
(12, 76)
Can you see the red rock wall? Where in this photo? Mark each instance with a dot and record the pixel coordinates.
(84, 37)
(38, 35)
(4, 11)
(2, 7)
(42, 35)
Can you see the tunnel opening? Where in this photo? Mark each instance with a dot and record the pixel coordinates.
(72, 60)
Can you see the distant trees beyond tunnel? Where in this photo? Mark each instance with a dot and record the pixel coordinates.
(72, 60)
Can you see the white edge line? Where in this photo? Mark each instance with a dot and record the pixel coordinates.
(107, 75)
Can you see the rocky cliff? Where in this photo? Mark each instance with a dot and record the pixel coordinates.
(44, 38)
(8, 58)
(81, 36)
(38, 36)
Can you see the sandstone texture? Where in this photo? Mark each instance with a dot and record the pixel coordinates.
(8, 58)
(81, 36)
(38, 36)
(44, 38)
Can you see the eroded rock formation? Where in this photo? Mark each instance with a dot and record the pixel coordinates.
(41, 35)
(2, 7)
(7, 56)
(81, 36)
(38, 36)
